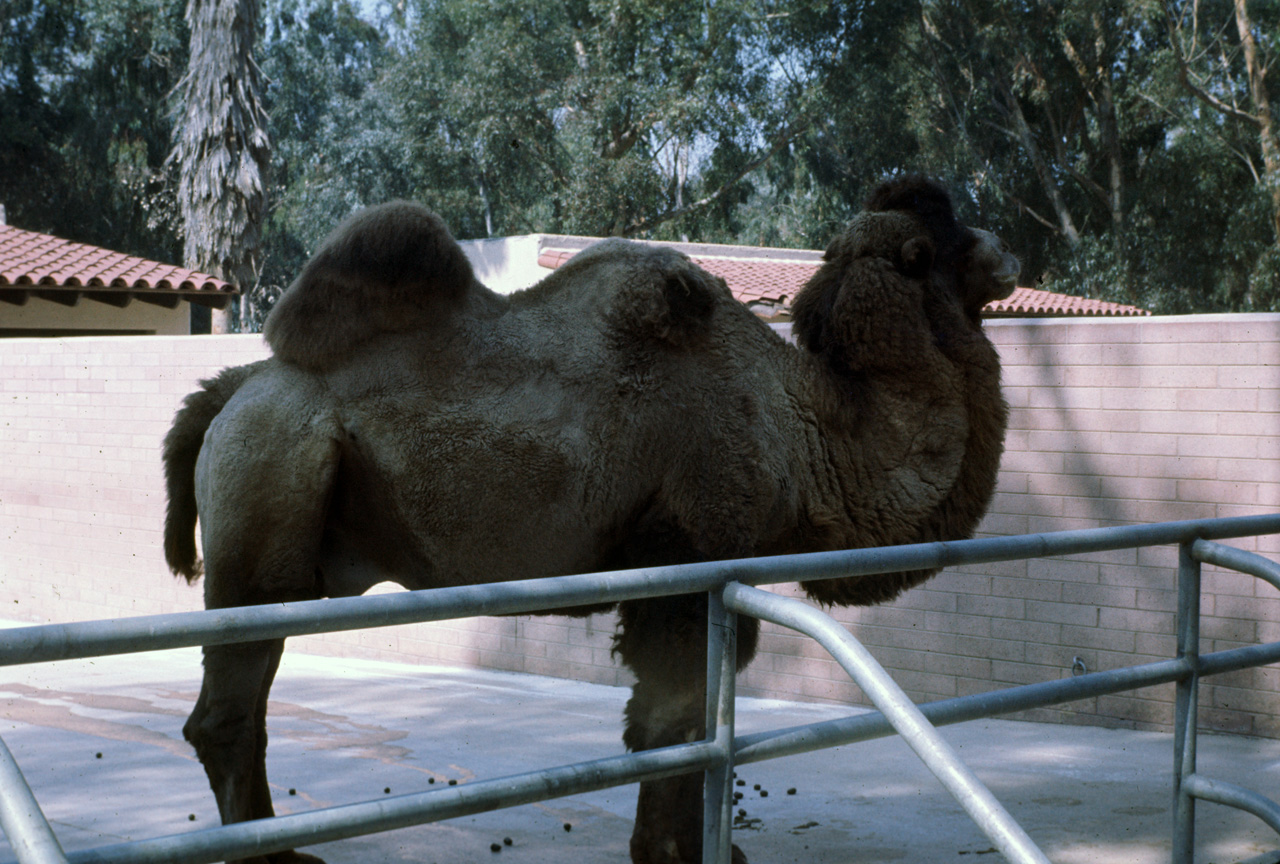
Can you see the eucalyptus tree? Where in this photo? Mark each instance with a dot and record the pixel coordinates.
(1221, 53)
(635, 119)
(85, 133)
(335, 146)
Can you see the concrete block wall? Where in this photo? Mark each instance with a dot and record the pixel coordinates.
(1113, 421)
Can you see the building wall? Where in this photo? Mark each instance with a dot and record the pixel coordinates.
(1113, 421)
(506, 264)
(90, 315)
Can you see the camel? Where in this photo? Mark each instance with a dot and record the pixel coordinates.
(411, 425)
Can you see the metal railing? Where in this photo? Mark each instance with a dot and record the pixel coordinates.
(730, 586)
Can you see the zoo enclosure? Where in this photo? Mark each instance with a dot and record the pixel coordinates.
(729, 586)
(1113, 421)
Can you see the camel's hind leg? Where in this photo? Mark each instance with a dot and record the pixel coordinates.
(663, 641)
(262, 483)
(228, 729)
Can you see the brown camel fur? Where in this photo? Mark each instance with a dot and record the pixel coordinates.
(413, 425)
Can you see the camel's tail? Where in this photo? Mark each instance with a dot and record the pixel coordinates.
(181, 448)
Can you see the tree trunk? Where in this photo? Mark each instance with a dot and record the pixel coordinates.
(1267, 132)
(1066, 225)
(220, 143)
(483, 189)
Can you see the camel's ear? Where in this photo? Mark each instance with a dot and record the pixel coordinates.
(917, 257)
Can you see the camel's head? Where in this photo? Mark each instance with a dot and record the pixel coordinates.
(987, 272)
(903, 272)
(973, 263)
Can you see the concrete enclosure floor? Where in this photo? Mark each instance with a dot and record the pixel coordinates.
(100, 743)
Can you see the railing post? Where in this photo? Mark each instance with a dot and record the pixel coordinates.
(1186, 706)
(24, 823)
(717, 796)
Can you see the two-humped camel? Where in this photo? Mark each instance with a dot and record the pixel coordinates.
(413, 425)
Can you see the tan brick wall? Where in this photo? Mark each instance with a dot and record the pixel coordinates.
(1113, 421)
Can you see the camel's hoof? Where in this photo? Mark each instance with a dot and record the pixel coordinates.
(290, 856)
(669, 854)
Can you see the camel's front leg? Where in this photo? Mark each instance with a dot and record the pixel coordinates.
(228, 728)
(664, 642)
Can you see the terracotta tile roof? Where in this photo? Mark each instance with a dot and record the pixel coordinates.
(1025, 302)
(61, 270)
(756, 279)
(770, 284)
(553, 258)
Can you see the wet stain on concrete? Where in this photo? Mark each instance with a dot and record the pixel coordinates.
(55, 709)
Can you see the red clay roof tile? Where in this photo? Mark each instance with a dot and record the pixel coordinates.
(41, 260)
(1033, 301)
(776, 281)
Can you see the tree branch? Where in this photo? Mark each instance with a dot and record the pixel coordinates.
(1184, 75)
(781, 141)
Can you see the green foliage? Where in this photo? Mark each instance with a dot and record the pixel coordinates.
(580, 117)
(83, 89)
(1072, 129)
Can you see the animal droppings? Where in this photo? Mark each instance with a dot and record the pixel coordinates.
(742, 782)
(764, 793)
(568, 827)
(453, 782)
(431, 779)
(97, 755)
(293, 791)
(494, 847)
(191, 817)
(506, 841)
(791, 791)
(742, 814)
(756, 787)
(737, 796)
(386, 791)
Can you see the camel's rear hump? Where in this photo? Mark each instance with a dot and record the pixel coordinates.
(387, 269)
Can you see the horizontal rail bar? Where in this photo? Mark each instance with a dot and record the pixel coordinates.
(23, 821)
(262, 836)
(761, 746)
(1237, 559)
(240, 624)
(1221, 792)
(938, 756)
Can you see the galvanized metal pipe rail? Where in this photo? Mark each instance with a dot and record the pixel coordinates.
(34, 843)
(938, 756)
(1188, 784)
(249, 623)
(23, 821)
(263, 836)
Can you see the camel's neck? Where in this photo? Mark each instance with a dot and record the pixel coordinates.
(962, 509)
(957, 514)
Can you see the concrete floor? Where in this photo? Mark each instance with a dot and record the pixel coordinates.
(344, 731)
